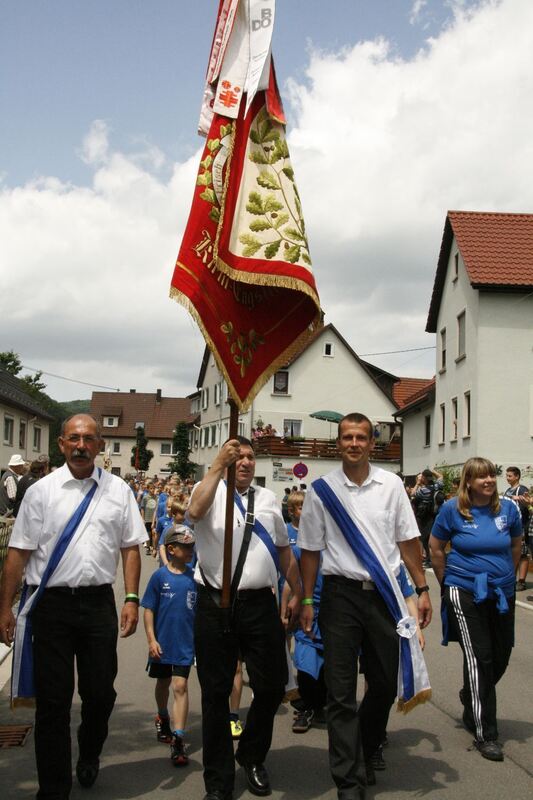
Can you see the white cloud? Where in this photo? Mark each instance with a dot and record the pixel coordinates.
(95, 145)
(416, 9)
(382, 147)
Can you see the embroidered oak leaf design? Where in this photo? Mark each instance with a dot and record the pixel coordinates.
(276, 202)
(242, 345)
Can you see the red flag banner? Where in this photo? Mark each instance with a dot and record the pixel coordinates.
(244, 268)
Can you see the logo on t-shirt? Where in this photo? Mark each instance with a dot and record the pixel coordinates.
(501, 522)
(191, 599)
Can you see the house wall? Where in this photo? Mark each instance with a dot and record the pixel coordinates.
(505, 369)
(28, 452)
(122, 461)
(497, 371)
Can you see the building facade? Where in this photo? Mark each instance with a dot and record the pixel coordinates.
(25, 425)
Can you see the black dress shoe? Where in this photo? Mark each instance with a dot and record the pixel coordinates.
(257, 778)
(87, 772)
(217, 795)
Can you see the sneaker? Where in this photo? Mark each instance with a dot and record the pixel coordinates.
(302, 721)
(163, 731)
(377, 760)
(491, 750)
(178, 756)
(236, 728)
(521, 586)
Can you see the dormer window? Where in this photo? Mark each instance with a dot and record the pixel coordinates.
(111, 422)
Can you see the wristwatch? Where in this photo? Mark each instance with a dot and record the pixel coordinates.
(421, 589)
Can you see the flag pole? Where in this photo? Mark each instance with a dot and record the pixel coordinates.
(228, 530)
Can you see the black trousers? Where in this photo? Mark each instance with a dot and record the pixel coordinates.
(258, 635)
(486, 638)
(350, 619)
(70, 628)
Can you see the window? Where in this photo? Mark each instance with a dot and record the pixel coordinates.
(217, 394)
(329, 349)
(461, 335)
(165, 448)
(116, 448)
(442, 423)
(292, 427)
(22, 435)
(36, 438)
(427, 430)
(213, 435)
(205, 432)
(281, 382)
(139, 425)
(115, 471)
(466, 421)
(111, 422)
(9, 426)
(205, 399)
(454, 420)
(455, 266)
(443, 349)
(242, 429)
(226, 431)
(226, 393)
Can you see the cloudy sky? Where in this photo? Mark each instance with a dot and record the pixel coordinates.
(398, 110)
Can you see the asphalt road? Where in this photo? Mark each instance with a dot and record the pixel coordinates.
(428, 753)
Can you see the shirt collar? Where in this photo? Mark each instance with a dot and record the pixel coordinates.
(372, 477)
(66, 476)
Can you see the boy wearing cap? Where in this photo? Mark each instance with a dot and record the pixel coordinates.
(169, 603)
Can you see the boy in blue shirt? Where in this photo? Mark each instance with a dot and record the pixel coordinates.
(169, 603)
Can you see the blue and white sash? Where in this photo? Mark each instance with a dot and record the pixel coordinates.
(413, 680)
(260, 531)
(22, 683)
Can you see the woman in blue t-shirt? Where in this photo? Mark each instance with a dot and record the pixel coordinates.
(477, 578)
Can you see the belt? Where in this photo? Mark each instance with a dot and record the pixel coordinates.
(363, 585)
(102, 589)
(241, 594)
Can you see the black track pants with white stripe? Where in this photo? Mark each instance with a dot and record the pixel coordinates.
(486, 638)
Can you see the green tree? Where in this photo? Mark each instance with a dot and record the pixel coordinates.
(10, 361)
(180, 446)
(145, 455)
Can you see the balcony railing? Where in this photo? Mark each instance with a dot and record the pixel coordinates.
(296, 447)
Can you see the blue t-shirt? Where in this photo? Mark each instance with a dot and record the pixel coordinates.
(162, 524)
(480, 545)
(292, 533)
(172, 598)
(161, 505)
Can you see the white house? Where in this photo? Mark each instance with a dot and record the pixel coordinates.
(326, 375)
(122, 413)
(25, 425)
(481, 311)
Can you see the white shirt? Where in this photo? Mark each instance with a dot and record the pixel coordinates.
(111, 522)
(382, 501)
(259, 568)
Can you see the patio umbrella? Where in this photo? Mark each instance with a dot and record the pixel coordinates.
(328, 416)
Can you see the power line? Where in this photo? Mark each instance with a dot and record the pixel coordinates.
(392, 352)
(72, 380)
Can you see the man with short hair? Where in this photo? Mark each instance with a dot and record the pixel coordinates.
(94, 516)
(359, 518)
(9, 482)
(518, 493)
(252, 629)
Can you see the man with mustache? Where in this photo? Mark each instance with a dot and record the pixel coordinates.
(254, 631)
(74, 619)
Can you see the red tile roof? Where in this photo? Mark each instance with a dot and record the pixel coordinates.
(405, 388)
(420, 396)
(497, 250)
(160, 418)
